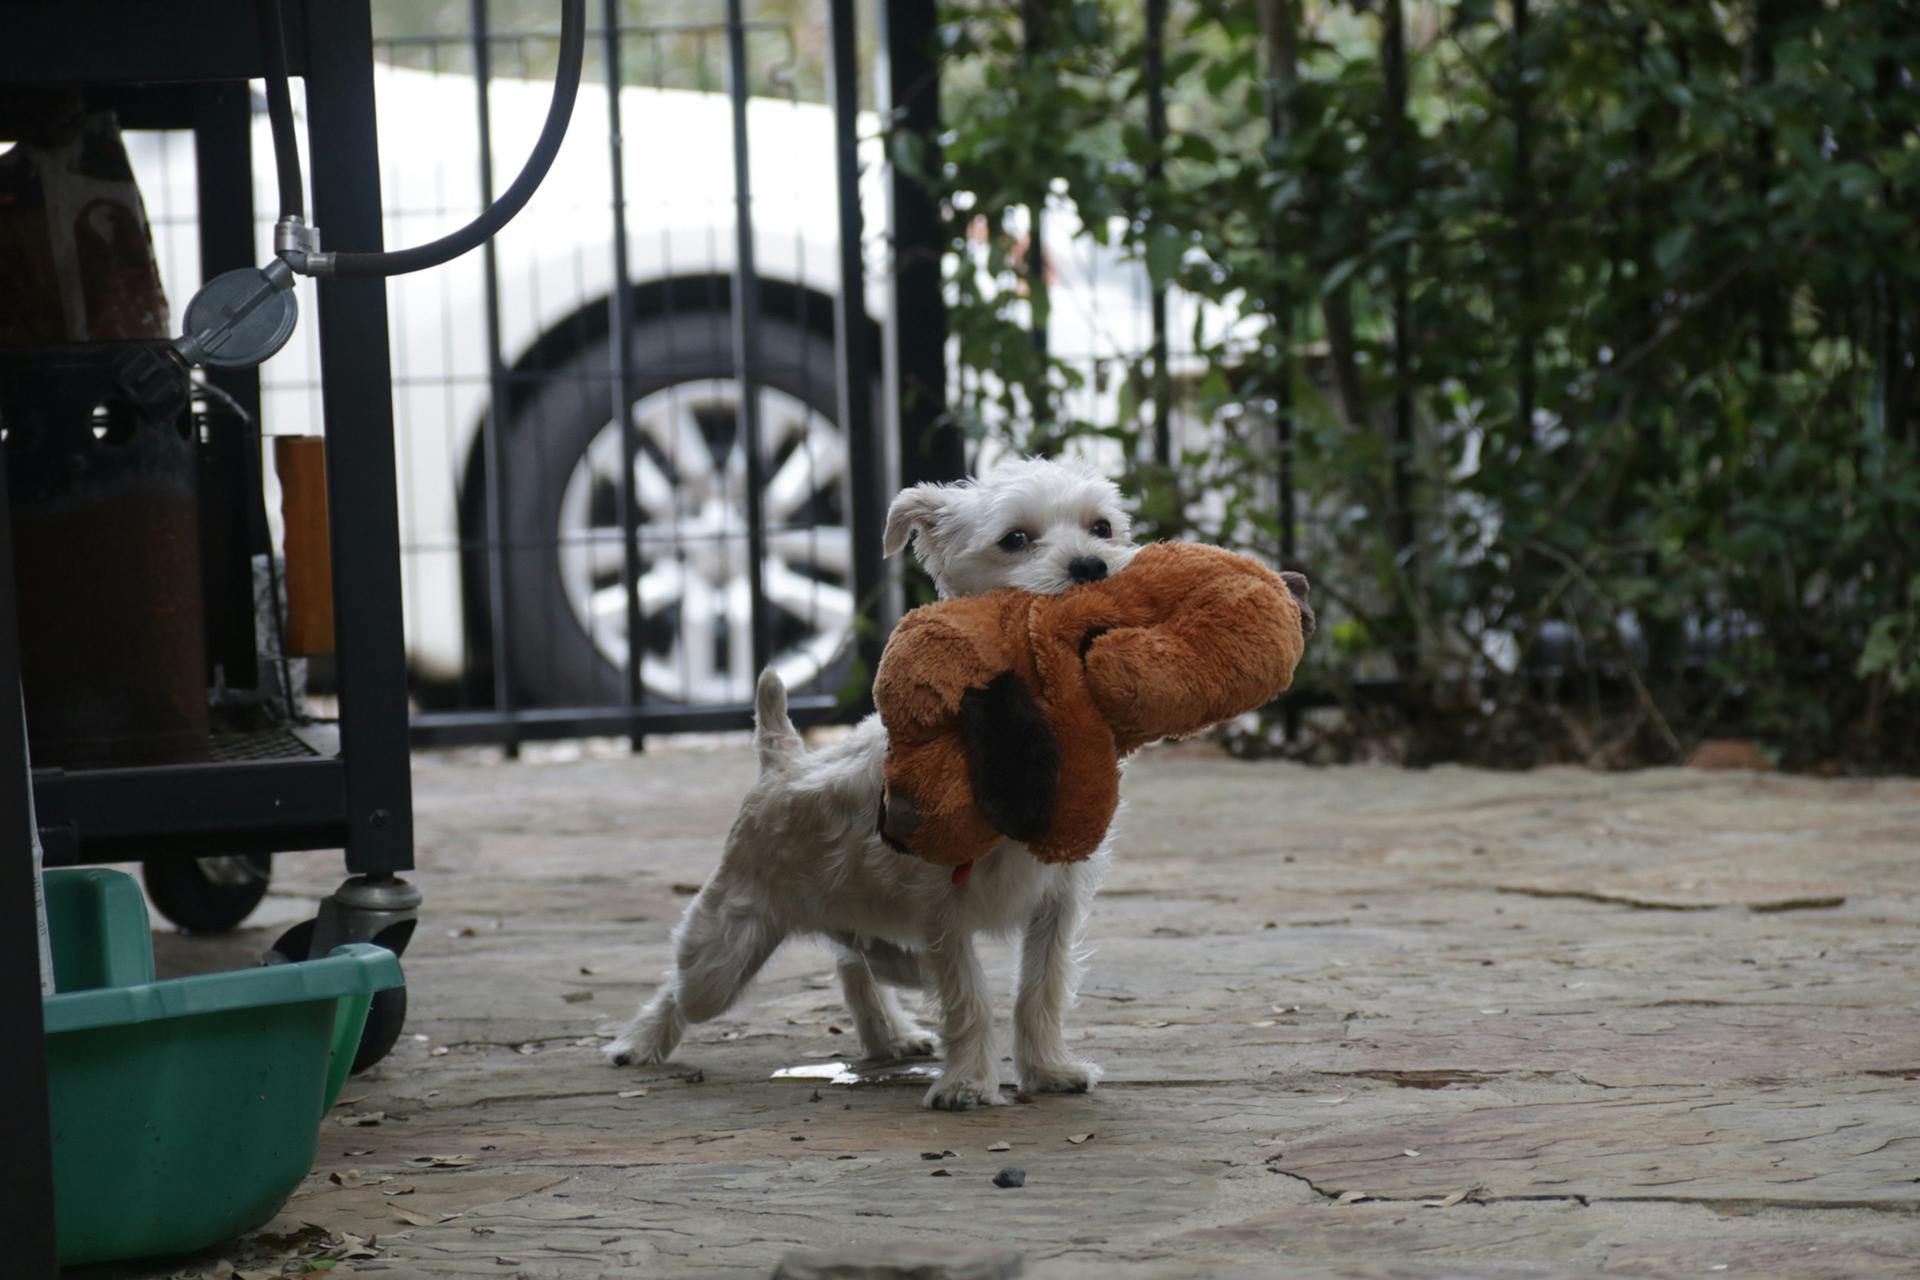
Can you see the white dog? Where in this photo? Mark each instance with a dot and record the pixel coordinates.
(804, 856)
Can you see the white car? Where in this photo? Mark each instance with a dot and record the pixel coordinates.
(560, 436)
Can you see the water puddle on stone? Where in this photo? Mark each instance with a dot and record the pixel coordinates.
(855, 1073)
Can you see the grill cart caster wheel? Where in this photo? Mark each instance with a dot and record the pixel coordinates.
(378, 909)
(207, 895)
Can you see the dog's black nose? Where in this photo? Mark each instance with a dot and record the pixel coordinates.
(1086, 568)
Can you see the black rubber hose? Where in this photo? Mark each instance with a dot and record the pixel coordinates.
(286, 142)
(566, 88)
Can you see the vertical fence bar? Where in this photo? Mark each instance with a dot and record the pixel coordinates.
(746, 336)
(931, 446)
(619, 316)
(853, 335)
(1277, 19)
(1393, 56)
(1154, 70)
(494, 500)
(1523, 211)
(1039, 393)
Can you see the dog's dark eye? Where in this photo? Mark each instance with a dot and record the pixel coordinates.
(1100, 529)
(1017, 540)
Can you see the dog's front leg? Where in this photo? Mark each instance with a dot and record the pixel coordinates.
(1042, 992)
(968, 1079)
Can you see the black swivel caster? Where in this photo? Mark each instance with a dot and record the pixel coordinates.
(207, 895)
(381, 909)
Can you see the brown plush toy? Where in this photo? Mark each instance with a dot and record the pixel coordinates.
(1007, 714)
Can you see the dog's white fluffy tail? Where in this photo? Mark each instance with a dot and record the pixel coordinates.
(775, 740)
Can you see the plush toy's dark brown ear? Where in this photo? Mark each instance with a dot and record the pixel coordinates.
(1299, 589)
(1013, 758)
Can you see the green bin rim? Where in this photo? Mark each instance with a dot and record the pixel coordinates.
(355, 969)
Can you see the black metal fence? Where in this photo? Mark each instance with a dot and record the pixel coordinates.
(672, 477)
(642, 436)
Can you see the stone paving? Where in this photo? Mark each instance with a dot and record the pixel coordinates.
(1355, 1022)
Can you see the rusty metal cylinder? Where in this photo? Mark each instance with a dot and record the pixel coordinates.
(102, 477)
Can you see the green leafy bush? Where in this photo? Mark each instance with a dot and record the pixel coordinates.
(1591, 325)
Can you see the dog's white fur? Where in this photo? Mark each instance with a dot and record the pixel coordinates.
(804, 857)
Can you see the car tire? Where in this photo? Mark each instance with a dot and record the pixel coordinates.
(553, 658)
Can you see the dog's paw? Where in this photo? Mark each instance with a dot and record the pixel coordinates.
(963, 1093)
(1059, 1077)
(636, 1051)
(906, 1042)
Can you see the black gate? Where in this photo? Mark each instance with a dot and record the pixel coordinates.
(674, 474)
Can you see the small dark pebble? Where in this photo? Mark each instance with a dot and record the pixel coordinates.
(816, 1096)
(1010, 1178)
(936, 1155)
(940, 1173)
(796, 1138)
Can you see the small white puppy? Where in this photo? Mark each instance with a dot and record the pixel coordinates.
(805, 856)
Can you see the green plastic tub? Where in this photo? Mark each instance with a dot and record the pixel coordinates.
(185, 1111)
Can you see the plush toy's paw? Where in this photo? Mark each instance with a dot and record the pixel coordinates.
(963, 1093)
(1066, 1076)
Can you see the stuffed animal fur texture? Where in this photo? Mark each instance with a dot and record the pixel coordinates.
(1007, 714)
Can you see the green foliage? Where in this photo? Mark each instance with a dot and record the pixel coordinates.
(1654, 272)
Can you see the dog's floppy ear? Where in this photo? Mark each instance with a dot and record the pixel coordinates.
(913, 512)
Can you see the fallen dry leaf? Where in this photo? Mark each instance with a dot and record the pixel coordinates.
(1265, 1022)
(1077, 1138)
(441, 1162)
(1001, 1146)
(1447, 1203)
(1409, 1152)
(1152, 1022)
(364, 1118)
(1351, 1197)
(577, 997)
(631, 1093)
(422, 1219)
(346, 1178)
(363, 1151)
(438, 1051)
(404, 1189)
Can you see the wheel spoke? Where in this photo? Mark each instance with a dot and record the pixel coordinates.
(675, 430)
(696, 639)
(739, 638)
(806, 660)
(820, 605)
(813, 466)
(828, 547)
(651, 488)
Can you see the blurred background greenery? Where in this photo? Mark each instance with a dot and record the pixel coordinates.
(1585, 329)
